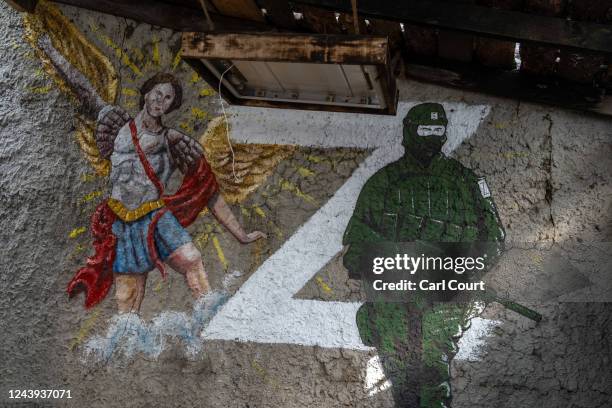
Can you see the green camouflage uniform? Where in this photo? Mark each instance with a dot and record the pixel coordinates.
(424, 196)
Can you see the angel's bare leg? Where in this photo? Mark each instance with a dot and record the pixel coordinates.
(187, 261)
(129, 291)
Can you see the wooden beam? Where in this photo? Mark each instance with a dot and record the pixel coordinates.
(514, 85)
(23, 6)
(489, 22)
(316, 48)
(174, 16)
(200, 50)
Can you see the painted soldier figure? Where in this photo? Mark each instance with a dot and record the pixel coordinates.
(422, 197)
(140, 227)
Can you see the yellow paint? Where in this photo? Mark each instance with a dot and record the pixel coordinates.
(512, 155)
(245, 212)
(207, 92)
(84, 329)
(323, 285)
(198, 113)
(220, 253)
(186, 127)
(85, 57)
(315, 159)
(90, 196)
(176, 61)
(500, 125)
(203, 212)
(254, 163)
(279, 233)
(41, 90)
(127, 215)
(74, 46)
(119, 53)
(29, 55)
(201, 240)
(130, 104)
(537, 259)
(88, 177)
(256, 254)
(84, 135)
(289, 186)
(195, 78)
(259, 211)
(130, 92)
(77, 250)
(137, 53)
(77, 231)
(159, 286)
(156, 59)
(304, 172)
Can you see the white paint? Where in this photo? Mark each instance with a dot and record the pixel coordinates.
(263, 310)
(375, 380)
(471, 344)
(484, 188)
(127, 334)
(333, 129)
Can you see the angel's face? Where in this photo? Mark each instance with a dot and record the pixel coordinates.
(159, 99)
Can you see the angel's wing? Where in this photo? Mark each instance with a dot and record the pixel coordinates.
(184, 150)
(84, 56)
(252, 163)
(110, 120)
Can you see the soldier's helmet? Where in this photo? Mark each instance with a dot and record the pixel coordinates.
(424, 114)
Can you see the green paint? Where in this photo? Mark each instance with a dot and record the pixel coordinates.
(427, 197)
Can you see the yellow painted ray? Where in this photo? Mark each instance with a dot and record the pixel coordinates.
(324, 286)
(291, 187)
(76, 232)
(220, 252)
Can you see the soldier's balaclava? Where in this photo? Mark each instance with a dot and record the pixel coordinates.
(424, 148)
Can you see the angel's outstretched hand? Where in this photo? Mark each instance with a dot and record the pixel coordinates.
(252, 236)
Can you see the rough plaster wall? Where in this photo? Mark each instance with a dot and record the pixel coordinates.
(44, 181)
(524, 151)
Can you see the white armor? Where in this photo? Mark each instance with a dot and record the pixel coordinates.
(130, 183)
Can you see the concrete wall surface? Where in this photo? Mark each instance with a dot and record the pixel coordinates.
(285, 335)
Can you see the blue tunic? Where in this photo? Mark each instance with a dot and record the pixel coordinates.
(131, 252)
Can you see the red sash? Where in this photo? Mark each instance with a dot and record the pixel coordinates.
(96, 278)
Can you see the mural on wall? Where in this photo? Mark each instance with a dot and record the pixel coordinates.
(271, 187)
(140, 227)
(424, 197)
(302, 188)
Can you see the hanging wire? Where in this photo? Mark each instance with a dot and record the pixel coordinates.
(229, 142)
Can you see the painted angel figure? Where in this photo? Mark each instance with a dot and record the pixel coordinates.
(139, 227)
